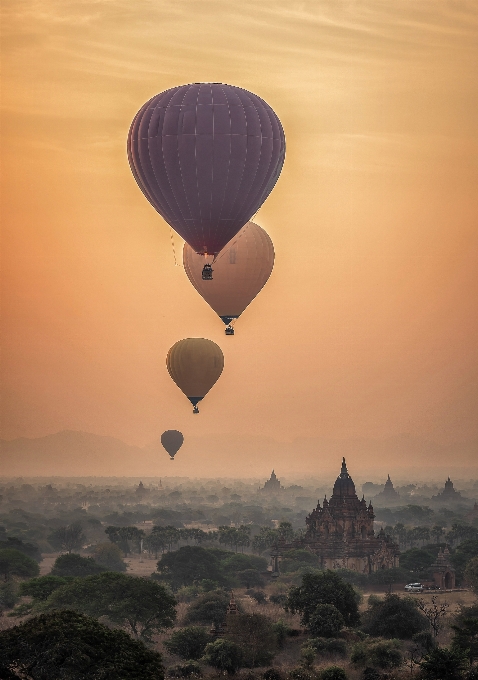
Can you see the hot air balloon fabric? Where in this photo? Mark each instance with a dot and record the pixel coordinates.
(206, 156)
(241, 270)
(172, 440)
(195, 365)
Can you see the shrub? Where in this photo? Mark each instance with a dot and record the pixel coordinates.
(356, 578)
(324, 588)
(250, 578)
(109, 555)
(8, 595)
(393, 617)
(328, 646)
(424, 641)
(301, 673)
(186, 593)
(272, 674)
(381, 654)
(223, 655)
(385, 655)
(443, 664)
(209, 608)
(185, 670)
(307, 655)
(281, 631)
(280, 599)
(371, 674)
(326, 621)
(333, 673)
(258, 595)
(255, 635)
(188, 643)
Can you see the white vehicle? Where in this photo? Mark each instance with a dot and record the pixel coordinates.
(414, 588)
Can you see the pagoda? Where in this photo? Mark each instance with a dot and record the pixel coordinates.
(272, 485)
(388, 494)
(341, 532)
(449, 493)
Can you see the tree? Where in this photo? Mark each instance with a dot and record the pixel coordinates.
(235, 536)
(437, 532)
(125, 537)
(434, 612)
(285, 531)
(415, 560)
(189, 565)
(443, 664)
(463, 554)
(324, 588)
(109, 555)
(154, 542)
(224, 655)
(75, 565)
(466, 638)
(69, 645)
(393, 617)
(209, 608)
(29, 549)
(143, 607)
(16, 563)
(389, 576)
(326, 621)
(264, 539)
(232, 563)
(254, 634)
(168, 535)
(42, 587)
(68, 538)
(250, 578)
(471, 573)
(188, 642)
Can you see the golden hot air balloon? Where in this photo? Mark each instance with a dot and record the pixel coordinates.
(195, 364)
(238, 274)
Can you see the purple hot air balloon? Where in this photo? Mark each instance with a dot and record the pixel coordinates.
(206, 156)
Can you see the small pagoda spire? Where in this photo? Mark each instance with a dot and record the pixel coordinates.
(232, 607)
(343, 470)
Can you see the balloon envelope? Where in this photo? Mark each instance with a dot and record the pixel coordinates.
(172, 440)
(239, 273)
(195, 364)
(206, 156)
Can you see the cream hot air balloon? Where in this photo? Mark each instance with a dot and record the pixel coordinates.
(195, 364)
(239, 273)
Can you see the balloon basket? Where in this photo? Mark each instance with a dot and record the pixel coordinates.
(195, 409)
(229, 330)
(207, 271)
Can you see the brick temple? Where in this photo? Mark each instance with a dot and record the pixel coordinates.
(341, 533)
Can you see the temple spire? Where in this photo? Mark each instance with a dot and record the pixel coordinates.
(344, 470)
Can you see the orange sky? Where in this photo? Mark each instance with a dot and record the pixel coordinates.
(368, 325)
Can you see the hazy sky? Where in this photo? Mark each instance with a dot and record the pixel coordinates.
(368, 325)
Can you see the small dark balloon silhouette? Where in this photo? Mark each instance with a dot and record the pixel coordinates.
(172, 440)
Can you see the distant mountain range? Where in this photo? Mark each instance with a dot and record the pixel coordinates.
(81, 454)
